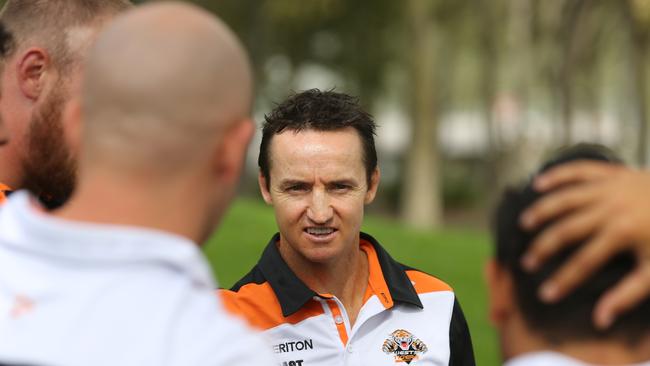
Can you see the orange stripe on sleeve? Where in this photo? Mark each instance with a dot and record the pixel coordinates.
(425, 283)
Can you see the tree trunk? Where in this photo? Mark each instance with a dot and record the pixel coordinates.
(519, 69)
(640, 36)
(421, 196)
(489, 79)
(640, 59)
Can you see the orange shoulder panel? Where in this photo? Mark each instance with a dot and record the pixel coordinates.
(425, 283)
(258, 304)
(3, 189)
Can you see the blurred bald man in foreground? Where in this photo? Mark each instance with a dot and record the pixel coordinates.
(115, 277)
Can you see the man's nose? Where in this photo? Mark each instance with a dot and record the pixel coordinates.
(320, 210)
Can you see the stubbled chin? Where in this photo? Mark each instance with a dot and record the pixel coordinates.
(320, 253)
(321, 258)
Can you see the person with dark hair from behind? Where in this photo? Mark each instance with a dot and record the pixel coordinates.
(605, 205)
(324, 292)
(533, 332)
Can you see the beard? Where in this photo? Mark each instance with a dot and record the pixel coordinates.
(49, 166)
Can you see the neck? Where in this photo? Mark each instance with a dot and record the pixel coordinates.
(518, 340)
(607, 352)
(117, 200)
(346, 277)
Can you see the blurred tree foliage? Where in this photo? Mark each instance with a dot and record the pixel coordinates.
(535, 74)
(570, 65)
(353, 38)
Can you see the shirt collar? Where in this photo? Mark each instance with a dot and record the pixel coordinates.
(400, 286)
(23, 227)
(293, 294)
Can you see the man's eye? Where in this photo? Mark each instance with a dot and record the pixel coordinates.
(297, 188)
(340, 187)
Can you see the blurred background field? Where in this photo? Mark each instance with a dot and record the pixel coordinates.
(454, 255)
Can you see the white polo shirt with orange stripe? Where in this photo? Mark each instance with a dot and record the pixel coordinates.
(408, 317)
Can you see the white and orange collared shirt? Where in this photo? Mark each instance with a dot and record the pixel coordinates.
(408, 317)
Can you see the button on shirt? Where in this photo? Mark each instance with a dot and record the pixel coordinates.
(408, 317)
(80, 294)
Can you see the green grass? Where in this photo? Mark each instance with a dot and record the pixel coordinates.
(455, 256)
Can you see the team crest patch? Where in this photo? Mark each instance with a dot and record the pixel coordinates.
(404, 346)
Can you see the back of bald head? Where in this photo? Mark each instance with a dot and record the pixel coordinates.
(162, 83)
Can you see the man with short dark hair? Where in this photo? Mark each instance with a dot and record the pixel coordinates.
(324, 292)
(41, 75)
(536, 333)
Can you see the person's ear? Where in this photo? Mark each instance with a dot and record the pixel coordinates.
(231, 152)
(32, 70)
(500, 293)
(374, 185)
(264, 184)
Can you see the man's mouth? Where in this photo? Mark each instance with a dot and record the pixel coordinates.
(319, 231)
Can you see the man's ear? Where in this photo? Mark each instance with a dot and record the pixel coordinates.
(232, 150)
(374, 185)
(264, 184)
(500, 293)
(32, 71)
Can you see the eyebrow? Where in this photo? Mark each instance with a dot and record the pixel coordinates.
(346, 181)
(291, 182)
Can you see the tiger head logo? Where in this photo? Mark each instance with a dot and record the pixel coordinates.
(404, 346)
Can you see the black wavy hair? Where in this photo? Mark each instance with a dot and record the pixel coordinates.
(320, 111)
(570, 318)
(6, 41)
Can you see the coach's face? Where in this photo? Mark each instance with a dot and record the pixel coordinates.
(318, 190)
